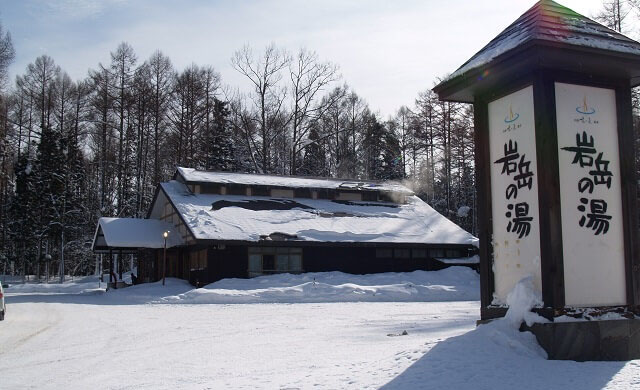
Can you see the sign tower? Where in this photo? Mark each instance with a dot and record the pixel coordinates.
(556, 178)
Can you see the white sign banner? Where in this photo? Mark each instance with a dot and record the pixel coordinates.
(514, 192)
(590, 195)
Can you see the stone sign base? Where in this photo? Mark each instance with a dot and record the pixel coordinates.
(589, 340)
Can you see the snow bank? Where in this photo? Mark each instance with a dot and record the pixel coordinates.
(148, 292)
(81, 285)
(451, 284)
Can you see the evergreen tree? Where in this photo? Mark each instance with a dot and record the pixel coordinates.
(392, 165)
(23, 213)
(372, 149)
(49, 169)
(76, 225)
(219, 151)
(314, 162)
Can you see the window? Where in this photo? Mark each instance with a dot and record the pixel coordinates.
(255, 265)
(401, 253)
(349, 195)
(419, 253)
(209, 188)
(295, 262)
(386, 197)
(268, 262)
(392, 197)
(281, 193)
(282, 263)
(437, 253)
(302, 193)
(370, 196)
(383, 253)
(326, 193)
(264, 261)
(236, 189)
(260, 191)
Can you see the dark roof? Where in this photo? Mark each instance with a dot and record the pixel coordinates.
(551, 24)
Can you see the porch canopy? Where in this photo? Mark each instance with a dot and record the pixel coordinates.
(127, 235)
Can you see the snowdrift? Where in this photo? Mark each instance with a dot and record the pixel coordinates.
(451, 284)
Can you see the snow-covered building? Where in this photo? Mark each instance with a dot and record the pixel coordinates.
(225, 225)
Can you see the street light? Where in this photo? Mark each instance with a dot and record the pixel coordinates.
(165, 235)
(47, 258)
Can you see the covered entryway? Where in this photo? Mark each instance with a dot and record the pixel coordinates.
(117, 237)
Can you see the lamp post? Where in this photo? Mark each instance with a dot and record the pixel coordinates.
(47, 258)
(165, 235)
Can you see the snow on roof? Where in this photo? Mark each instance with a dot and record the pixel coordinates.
(134, 233)
(551, 22)
(252, 218)
(194, 175)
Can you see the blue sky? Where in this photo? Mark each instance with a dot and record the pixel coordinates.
(387, 51)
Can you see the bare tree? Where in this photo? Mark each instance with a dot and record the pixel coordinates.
(187, 114)
(162, 75)
(614, 13)
(7, 54)
(401, 126)
(101, 105)
(65, 91)
(39, 79)
(425, 118)
(123, 61)
(264, 73)
(309, 76)
(356, 113)
(211, 84)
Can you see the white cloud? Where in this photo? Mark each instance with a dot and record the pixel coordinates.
(76, 9)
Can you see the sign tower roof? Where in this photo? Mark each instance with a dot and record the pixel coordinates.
(547, 35)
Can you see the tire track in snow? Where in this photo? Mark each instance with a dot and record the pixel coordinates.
(52, 319)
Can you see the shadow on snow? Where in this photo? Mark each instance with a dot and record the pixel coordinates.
(497, 356)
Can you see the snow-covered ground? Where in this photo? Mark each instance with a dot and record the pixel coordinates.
(344, 332)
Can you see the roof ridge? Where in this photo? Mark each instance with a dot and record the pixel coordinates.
(318, 178)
